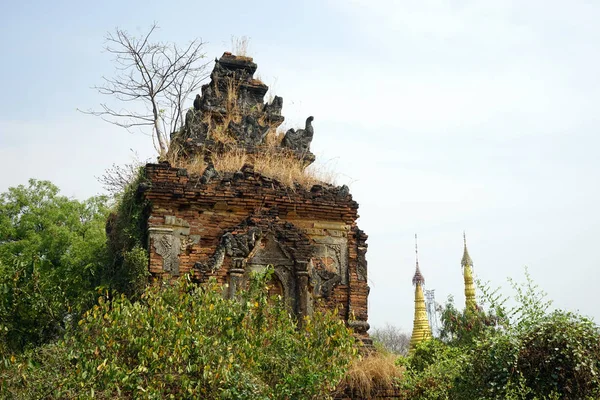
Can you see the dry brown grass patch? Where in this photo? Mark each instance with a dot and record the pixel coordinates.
(369, 373)
(274, 137)
(239, 46)
(269, 160)
(233, 90)
(285, 168)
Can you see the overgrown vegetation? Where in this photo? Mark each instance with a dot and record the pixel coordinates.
(126, 244)
(78, 320)
(522, 352)
(283, 167)
(228, 156)
(369, 374)
(182, 340)
(55, 258)
(52, 259)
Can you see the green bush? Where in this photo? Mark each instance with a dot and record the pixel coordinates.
(561, 353)
(52, 258)
(489, 367)
(557, 357)
(127, 239)
(182, 340)
(463, 328)
(431, 371)
(522, 352)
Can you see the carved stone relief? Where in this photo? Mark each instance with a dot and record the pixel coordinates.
(269, 251)
(329, 265)
(171, 240)
(231, 245)
(362, 264)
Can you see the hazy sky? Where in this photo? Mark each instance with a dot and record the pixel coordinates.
(442, 116)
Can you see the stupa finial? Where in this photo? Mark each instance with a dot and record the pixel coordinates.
(418, 277)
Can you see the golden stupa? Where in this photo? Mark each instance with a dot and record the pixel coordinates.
(421, 330)
(467, 268)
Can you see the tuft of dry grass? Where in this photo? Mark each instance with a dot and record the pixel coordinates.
(233, 90)
(367, 374)
(257, 80)
(285, 168)
(269, 160)
(274, 136)
(239, 46)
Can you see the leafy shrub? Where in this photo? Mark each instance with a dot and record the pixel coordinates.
(561, 353)
(52, 257)
(532, 354)
(489, 368)
(126, 230)
(522, 352)
(463, 328)
(182, 340)
(431, 371)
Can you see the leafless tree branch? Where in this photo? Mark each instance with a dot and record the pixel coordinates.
(161, 76)
(392, 338)
(116, 178)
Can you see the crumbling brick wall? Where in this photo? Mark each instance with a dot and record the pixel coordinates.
(242, 222)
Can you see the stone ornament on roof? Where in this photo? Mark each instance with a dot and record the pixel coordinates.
(231, 115)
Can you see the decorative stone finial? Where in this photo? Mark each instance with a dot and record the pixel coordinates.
(299, 141)
(231, 114)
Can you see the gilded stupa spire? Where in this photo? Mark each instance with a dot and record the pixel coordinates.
(421, 330)
(418, 277)
(467, 268)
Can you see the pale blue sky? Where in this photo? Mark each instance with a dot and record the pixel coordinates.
(442, 116)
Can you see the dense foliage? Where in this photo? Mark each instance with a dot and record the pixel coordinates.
(523, 352)
(463, 328)
(126, 230)
(52, 258)
(182, 340)
(78, 320)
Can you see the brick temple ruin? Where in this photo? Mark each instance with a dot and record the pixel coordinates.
(227, 225)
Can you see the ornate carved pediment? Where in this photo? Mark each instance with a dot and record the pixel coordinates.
(269, 251)
(232, 244)
(259, 239)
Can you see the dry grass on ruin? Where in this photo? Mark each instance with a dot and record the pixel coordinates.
(239, 46)
(269, 160)
(284, 168)
(373, 372)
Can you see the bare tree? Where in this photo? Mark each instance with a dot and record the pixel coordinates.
(159, 75)
(392, 338)
(116, 178)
